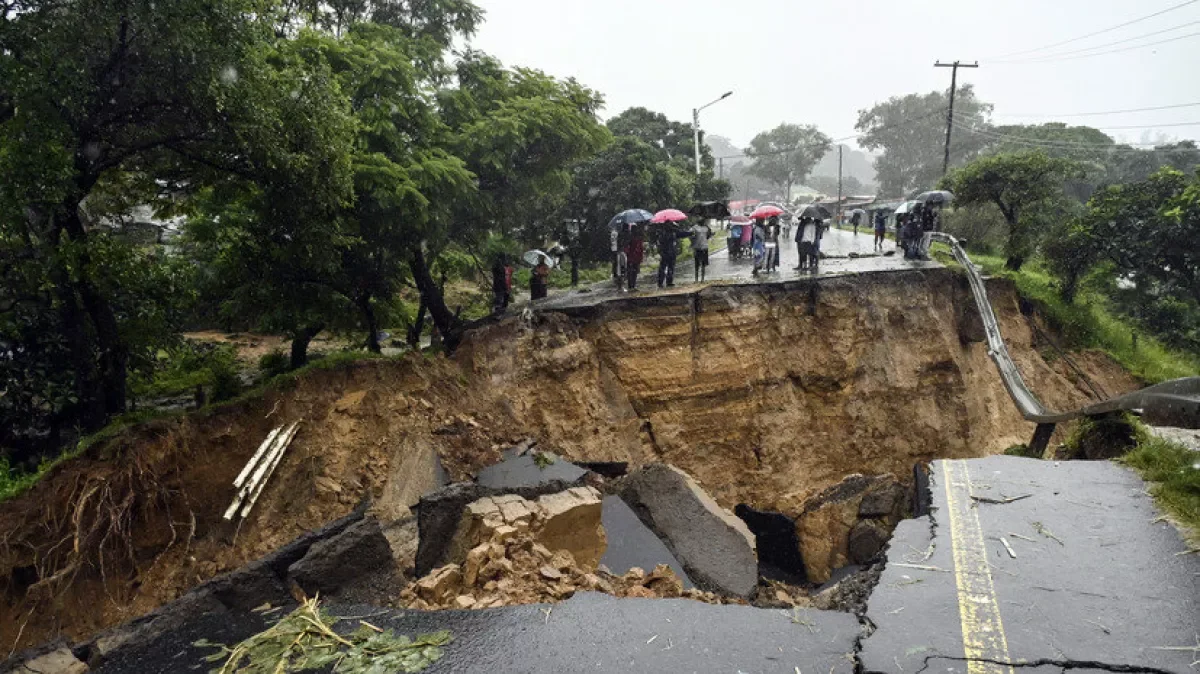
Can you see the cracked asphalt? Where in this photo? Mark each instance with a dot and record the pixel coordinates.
(1095, 582)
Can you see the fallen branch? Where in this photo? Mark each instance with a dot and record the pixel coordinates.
(1008, 547)
(921, 567)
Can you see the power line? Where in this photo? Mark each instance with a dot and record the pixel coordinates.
(1099, 46)
(1101, 53)
(1099, 32)
(901, 123)
(1106, 112)
(1124, 126)
(1055, 144)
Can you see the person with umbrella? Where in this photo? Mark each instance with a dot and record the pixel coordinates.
(668, 246)
(806, 243)
(634, 249)
(619, 228)
(855, 219)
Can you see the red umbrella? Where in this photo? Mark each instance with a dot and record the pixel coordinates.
(669, 215)
(766, 212)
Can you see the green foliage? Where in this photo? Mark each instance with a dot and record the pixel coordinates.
(1023, 451)
(1103, 437)
(274, 363)
(1091, 322)
(182, 368)
(305, 639)
(1174, 471)
(786, 154)
(543, 460)
(1025, 186)
(15, 482)
(911, 132)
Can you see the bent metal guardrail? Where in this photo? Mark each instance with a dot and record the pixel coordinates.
(1175, 399)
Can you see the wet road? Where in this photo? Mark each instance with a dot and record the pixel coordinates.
(1052, 565)
(845, 253)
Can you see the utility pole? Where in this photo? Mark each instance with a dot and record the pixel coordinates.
(696, 126)
(839, 204)
(950, 113)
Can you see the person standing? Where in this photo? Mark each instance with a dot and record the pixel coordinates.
(855, 219)
(880, 230)
(537, 280)
(501, 290)
(759, 246)
(615, 247)
(771, 243)
(635, 248)
(806, 244)
(928, 224)
(700, 234)
(668, 253)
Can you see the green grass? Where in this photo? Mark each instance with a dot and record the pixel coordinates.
(1089, 323)
(1174, 473)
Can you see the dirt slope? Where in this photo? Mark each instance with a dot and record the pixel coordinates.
(766, 394)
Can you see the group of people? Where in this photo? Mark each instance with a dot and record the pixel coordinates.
(767, 234)
(629, 247)
(915, 230)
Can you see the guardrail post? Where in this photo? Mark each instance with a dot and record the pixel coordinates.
(1041, 438)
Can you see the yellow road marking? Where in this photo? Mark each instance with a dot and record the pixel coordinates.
(978, 608)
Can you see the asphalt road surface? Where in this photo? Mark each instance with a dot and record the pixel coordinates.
(846, 253)
(1048, 565)
(1095, 582)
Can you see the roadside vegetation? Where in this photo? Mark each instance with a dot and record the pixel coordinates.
(1173, 472)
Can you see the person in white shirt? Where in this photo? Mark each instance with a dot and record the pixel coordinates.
(700, 235)
(806, 244)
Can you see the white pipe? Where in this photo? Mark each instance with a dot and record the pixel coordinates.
(237, 482)
(283, 446)
(249, 486)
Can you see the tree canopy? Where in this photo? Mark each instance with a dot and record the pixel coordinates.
(786, 154)
(1022, 185)
(910, 131)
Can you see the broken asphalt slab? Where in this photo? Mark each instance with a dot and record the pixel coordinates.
(715, 547)
(589, 632)
(1098, 581)
(631, 544)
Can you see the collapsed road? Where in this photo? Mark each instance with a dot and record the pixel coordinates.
(961, 586)
(1020, 565)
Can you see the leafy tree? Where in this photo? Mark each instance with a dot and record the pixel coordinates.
(94, 92)
(628, 173)
(786, 154)
(911, 133)
(676, 142)
(828, 185)
(1025, 186)
(1142, 232)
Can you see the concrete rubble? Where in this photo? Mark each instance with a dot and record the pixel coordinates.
(715, 547)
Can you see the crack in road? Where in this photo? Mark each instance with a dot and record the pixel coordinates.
(1050, 662)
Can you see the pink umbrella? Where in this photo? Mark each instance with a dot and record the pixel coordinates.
(765, 212)
(669, 215)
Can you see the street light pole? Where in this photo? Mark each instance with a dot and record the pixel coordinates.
(696, 125)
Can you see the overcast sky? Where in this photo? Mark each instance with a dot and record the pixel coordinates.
(820, 62)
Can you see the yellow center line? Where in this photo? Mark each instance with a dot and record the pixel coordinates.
(983, 637)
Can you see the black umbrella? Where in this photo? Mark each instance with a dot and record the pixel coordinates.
(814, 211)
(710, 209)
(630, 217)
(938, 197)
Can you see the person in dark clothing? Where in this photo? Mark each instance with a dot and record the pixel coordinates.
(668, 253)
(855, 219)
(880, 229)
(635, 248)
(501, 291)
(537, 280)
(928, 225)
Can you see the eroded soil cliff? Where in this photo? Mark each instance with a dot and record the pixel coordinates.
(766, 394)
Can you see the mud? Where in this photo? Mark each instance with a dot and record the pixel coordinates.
(767, 395)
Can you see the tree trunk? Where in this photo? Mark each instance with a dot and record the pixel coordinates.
(300, 344)
(574, 267)
(445, 321)
(418, 326)
(368, 312)
(113, 353)
(1016, 258)
(92, 412)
